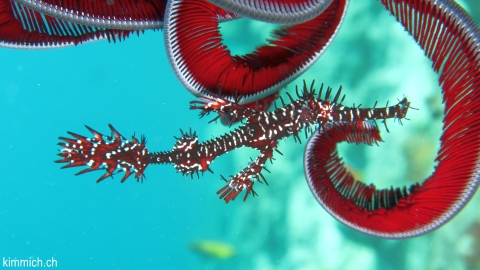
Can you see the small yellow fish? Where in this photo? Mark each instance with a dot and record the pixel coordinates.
(214, 249)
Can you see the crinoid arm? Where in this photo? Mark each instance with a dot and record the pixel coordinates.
(202, 63)
(108, 153)
(51, 24)
(450, 38)
(382, 212)
(280, 12)
(124, 14)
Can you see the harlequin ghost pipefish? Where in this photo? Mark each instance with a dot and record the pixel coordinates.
(261, 131)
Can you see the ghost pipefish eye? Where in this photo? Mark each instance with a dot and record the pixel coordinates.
(450, 39)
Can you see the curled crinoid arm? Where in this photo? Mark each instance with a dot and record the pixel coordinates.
(222, 107)
(108, 153)
(245, 179)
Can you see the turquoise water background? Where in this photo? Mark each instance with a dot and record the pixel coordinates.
(46, 212)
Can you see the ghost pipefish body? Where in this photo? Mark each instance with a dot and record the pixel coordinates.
(261, 131)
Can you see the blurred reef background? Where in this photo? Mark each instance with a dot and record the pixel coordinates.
(172, 222)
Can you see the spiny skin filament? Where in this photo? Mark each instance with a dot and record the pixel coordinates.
(261, 131)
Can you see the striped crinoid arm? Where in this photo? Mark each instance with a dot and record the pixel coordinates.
(24, 28)
(451, 39)
(345, 197)
(203, 64)
(110, 14)
(277, 11)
